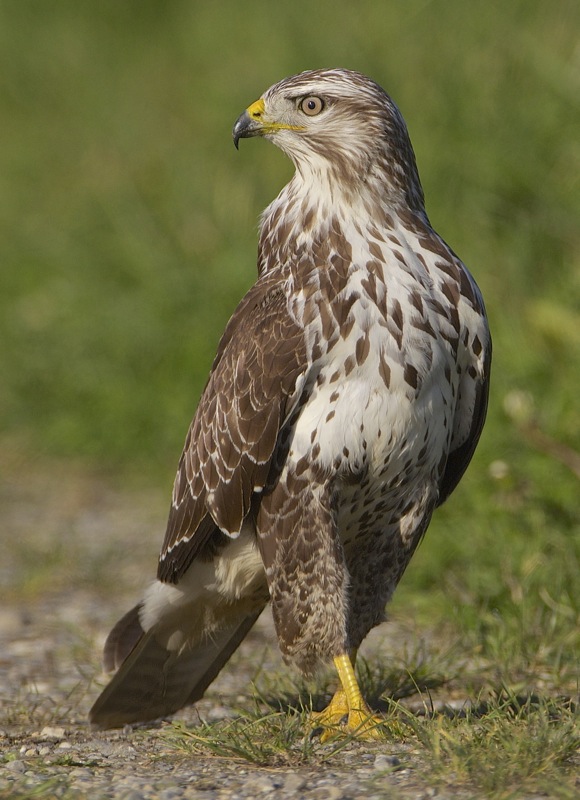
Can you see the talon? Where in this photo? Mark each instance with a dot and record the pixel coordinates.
(359, 724)
(365, 725)
(333, 714)
(331, 717)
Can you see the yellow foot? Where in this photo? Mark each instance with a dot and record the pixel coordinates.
(337, 720)
(363, 724)
(348, 702)
(333, 714)
(360, 724)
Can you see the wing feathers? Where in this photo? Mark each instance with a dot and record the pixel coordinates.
(234, 434)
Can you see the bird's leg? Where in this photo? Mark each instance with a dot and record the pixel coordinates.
(361, 721)
(348, 702)
(337, 709)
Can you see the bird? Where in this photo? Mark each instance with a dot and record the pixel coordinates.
(344, 404)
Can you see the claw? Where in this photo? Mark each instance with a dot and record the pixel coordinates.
(334, 711)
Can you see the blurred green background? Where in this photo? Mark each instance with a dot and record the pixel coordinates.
(128, 229)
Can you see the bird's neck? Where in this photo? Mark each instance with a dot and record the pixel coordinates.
(309, 212)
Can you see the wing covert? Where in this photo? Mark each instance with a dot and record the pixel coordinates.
(233, 436)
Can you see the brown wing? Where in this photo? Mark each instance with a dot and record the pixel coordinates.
(233, 435)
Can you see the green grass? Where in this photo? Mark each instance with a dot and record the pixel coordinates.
(128, 219)
(515, 745)
(503, 746)
(461, 721)
(128, 224)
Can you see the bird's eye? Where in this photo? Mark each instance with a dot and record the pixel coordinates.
(311, 105)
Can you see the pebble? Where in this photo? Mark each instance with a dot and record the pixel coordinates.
(326, 793)
(50, 732)
(263, 784)
(383, 761)
(220, 712)
(15, 766)
(81, 772)
(171, 793)
(293, 782)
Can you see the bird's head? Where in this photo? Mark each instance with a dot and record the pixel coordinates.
(337, 126)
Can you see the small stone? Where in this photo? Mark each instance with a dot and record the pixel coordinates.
(260, 785)
(81, 772)
(52, 732)
(132, 795)
(363, 772)
(327, 793)
(171, 793)
(16, 766)
(293, 782)
(64, 746)
(383, 761)
(111, 749)
(220, 712)
(10, 621)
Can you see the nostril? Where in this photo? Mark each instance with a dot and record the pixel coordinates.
(256, 110)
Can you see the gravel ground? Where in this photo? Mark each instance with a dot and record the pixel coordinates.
(47, 668)
(77, 552)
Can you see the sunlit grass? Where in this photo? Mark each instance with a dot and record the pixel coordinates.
(463, 719)
(509, 745)
(274, 739)
(496, 744)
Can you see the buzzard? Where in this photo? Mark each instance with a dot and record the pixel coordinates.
(345, 401)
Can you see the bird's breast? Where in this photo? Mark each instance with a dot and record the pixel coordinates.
(372, 405)
(383, 381)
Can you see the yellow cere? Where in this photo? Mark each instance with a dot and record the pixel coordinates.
(256, 109)
(256, 112)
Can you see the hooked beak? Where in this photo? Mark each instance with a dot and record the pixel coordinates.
(253, 123)
(249, 123)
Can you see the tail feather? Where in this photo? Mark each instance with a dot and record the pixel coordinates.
(122, 639)
(154, 681)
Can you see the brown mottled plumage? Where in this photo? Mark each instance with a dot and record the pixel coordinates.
(345, 402)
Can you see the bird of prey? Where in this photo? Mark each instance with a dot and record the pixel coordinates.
(344, 404)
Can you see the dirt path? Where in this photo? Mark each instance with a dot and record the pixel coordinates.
(76, 553)
(45, 673)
